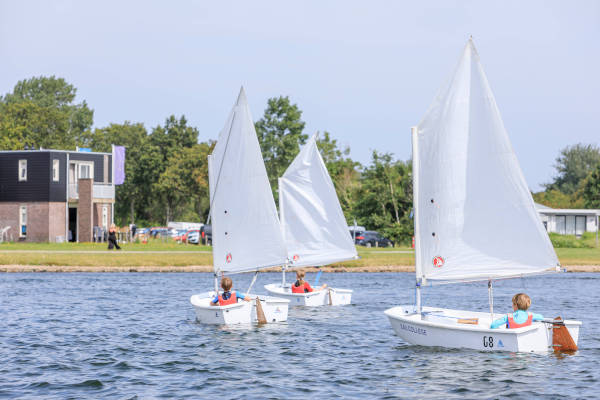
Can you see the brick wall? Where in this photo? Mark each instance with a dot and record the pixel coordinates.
(9, 216)
(84, 210)
(38, 220)
(97, 221)
(57, 221)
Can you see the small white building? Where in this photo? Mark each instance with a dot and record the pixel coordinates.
(567, 221)
(184, 225)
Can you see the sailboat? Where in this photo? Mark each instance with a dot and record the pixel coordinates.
(246, 234)
(313, 225)
(474, 220)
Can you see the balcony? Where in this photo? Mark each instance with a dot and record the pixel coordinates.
(100, 191)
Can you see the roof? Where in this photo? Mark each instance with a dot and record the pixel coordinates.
(52, 151)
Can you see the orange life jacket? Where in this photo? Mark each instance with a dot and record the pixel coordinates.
(231, 300)
(298, 288)
(511, 324)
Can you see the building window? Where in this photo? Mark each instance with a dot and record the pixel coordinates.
(22, 170)
(561, 224)
(570, 225)
(55, 170)
(579, 225)
(86, 171)
(23, 221)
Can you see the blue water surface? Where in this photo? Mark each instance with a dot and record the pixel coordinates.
(134, 336)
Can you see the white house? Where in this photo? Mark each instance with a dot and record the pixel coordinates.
(567, 221)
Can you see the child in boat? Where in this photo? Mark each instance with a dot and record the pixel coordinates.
(301, 286)
(228, 297)
(520, 317)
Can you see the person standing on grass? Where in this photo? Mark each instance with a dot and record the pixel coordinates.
(112, 237)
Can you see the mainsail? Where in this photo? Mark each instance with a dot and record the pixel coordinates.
(314, 226)
(476, 216)
(246, 233)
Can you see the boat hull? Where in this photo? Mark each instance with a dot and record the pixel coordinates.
(441, 327)
(243, 312)
(329, 296)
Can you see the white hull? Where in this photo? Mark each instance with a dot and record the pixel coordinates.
(329, 296)
(441, 327)
(243, 312)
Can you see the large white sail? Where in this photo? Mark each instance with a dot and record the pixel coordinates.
(246, 233)
(476, 216)
(314, 226)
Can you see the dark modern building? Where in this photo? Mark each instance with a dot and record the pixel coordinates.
(54, 195)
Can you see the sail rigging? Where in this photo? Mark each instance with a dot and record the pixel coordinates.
(476, 216)
(312, 221)
(246, 233)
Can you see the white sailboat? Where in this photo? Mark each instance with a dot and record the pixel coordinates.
(313, 226)
(246, 234)
(474, 219)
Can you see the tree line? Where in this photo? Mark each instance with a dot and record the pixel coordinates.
(167, 173)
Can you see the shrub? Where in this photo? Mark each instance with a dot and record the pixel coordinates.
(570, 241)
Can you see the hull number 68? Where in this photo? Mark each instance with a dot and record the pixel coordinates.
(488, 341)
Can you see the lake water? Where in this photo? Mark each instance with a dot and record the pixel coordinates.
(134, 335)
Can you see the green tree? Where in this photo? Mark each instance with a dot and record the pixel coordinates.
(13, 129)
(343, 170)
(280, 136)
(573, 165)
(131, 197)
(173, 136)
(385, 197)
(41, 112)
(168, 140)
(184, 183)
(591, 189)
(554, 198)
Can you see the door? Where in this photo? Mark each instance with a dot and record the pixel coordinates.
(72, 237)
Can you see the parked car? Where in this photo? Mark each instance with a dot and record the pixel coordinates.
(193, 236)
(356, 230)
(206, 234)
(372, 239)
(159, 231)
(178, 235)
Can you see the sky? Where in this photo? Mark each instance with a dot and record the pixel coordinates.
(365, 71)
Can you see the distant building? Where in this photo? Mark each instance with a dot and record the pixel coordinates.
(184, 225)
(55, 195)
(567, 221)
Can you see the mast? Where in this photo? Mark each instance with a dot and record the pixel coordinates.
(415, 175)
(282, 222)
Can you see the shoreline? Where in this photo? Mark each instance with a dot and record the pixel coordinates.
(209, 268)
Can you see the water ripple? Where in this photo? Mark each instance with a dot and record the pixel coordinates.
(134, 335)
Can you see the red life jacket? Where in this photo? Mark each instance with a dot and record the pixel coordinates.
(231, 300)
(511, 324)
(304, 288)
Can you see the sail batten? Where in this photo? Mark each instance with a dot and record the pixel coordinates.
(246, 233)
(313, 224)
(476, 215)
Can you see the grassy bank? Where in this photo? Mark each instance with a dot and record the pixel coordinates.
(158, 253)
(155, 253)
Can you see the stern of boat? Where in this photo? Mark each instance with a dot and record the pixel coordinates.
(275, 308)
(239, 313)
(330, 296)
